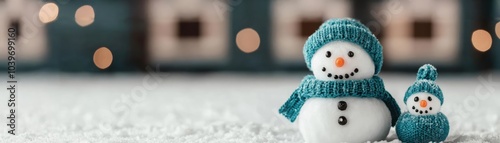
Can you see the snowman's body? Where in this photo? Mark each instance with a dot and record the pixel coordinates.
(366, 119)
(345, 119)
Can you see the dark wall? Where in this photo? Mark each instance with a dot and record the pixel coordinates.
(71, 47)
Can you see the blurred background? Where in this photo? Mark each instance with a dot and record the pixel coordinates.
(228, 65)
(242, 35)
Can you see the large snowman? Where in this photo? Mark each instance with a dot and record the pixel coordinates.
(344, 100)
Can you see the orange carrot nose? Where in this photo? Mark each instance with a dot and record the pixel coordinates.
(423, 103)
(339, 62)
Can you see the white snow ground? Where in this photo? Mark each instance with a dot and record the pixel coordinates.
(221, 107)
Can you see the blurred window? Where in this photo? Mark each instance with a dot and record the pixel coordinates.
(422, 29)
(189, 28)
(15, 24)
(309, 26)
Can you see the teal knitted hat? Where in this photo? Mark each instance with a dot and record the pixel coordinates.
(426, 76)
(344, 29)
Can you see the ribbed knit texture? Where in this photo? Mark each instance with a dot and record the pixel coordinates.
(344, 29)
(311, 87)
(428, 72)
(426, 76)
(422, 128)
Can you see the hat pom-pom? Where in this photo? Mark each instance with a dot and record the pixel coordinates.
(428, 72)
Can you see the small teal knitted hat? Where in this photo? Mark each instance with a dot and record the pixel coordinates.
(426, 76)
(344, 29)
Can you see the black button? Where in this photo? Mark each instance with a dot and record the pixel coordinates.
(342, 120)
(342, 105)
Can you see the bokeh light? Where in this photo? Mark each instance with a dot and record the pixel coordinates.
(248, 40)
(497, 29)
(481, 40)
(103, 58)
(48, 12)
(84, 15)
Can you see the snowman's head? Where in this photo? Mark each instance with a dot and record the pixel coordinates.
(341, 60)
(424, 96)
(423, 103)
(343, 49)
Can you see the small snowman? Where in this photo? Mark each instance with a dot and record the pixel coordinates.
(423, 122)
(345, 99)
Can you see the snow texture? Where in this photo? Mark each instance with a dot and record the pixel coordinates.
(205, 108)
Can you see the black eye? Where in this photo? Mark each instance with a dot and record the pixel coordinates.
(328, 54)
(429, 98)
(415, 99)
(350, 54)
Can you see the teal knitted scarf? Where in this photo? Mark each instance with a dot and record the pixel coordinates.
(311, 87)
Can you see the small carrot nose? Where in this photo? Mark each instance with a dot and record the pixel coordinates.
(423, 103)
(339, 62)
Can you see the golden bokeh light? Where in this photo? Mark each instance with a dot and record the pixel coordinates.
(48, 12)
(84, 15)
(497, 29)
(248, 40)
(481, 40)
(103, 58)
